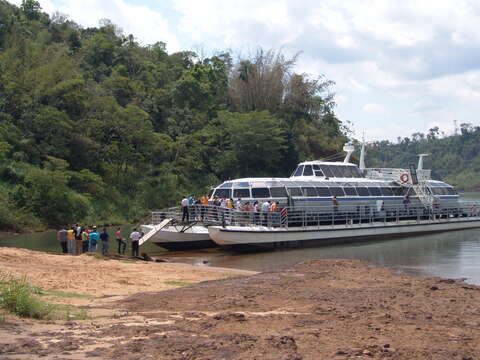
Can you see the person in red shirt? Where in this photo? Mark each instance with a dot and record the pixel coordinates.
(122, 244)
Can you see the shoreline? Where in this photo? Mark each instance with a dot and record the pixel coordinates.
(320, 309)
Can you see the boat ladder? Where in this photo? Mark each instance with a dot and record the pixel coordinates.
(424, 194)
(154, 230)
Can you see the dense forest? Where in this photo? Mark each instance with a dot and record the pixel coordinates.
(95, 127)
(454, 159)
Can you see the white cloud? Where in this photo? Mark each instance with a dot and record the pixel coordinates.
(376, 109)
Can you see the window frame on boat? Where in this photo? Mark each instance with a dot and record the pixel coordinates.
(266, 191)
(237, 193)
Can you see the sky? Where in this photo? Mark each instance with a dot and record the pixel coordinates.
(399, 67)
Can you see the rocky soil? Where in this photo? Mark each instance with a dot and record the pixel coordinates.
(325, 309)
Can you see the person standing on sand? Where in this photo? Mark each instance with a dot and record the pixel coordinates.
(92, 240)
(71, 240)
(85, 233)
(135, 238)
(78, 239)
(62, 238)
(122, 244)
(104, 237)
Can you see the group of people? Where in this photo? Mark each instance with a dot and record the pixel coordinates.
(196, 209)
(78, 239)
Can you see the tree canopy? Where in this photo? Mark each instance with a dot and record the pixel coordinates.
(96, 127)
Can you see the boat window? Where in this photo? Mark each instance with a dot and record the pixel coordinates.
(316, 167)
(324, 191)
(241, 193)
(278, 192)
(295, 191)
(260, 193)
(337, 191)
(359, 173)
(350, 191)
(386, 191)
(226, 185)
(450, 191)
(223, 193)
(309, 191)
(411, 191)
(299, 171)
(307, 171)
(319, 173)
(398, 191)
(337, 171)
(242, 184)
(347, 172)
(437, 190)
(326, 170)
(375, 191)
(363, 191)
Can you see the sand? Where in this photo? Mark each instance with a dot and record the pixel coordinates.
(325, 309)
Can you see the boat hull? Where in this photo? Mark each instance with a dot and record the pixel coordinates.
(171, 238)
(239, 237)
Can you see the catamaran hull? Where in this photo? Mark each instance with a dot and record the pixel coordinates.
(171, 238)
(238, 237)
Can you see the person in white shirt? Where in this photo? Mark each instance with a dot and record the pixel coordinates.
(135, 238)
(238, 204)
(265, 208)
(223, 203)
(185, 215)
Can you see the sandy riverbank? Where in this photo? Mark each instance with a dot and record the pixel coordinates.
(326, 309)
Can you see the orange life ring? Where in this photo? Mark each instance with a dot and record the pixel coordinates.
(404, 178)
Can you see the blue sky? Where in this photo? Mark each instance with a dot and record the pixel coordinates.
(400, 66)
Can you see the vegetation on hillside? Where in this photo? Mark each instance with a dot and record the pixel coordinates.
(96, 127)
(454, 159)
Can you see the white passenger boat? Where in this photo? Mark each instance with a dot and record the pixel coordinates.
(369, 203)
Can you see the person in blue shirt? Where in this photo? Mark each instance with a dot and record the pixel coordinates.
(93, 239)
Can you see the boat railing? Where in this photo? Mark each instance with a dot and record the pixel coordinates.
(395, 174)
(325, 215)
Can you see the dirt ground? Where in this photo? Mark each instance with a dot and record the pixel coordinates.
(325, 309)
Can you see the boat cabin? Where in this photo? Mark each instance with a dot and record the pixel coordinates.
(250, 189)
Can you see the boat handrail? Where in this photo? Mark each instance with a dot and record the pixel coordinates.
(322, 215)
(396, 174)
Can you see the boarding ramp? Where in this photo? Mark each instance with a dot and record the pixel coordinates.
(156, 228)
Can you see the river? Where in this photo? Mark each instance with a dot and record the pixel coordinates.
(451, 255)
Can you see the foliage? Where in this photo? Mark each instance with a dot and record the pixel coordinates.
(17, 296)
(95, 127)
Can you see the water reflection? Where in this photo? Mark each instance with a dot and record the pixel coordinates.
(453, 255)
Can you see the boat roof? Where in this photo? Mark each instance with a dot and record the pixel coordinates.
(319, 162)
(312, 181)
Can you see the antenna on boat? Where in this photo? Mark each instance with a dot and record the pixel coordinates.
(420, 161)
(349, 149)
(361, 164)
